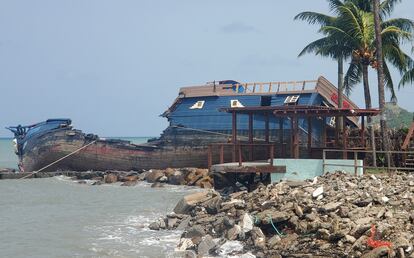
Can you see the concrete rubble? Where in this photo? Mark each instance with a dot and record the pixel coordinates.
(331, 216)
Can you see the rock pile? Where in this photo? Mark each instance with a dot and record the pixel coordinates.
(183, 176)
(330, 216)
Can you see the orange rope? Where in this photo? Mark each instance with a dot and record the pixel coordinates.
(376, 243)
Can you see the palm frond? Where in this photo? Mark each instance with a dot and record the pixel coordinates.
(408, 76)
(315, 46)
(406, 25)
(389, 84)
(315, 18)
(351, 21)
(387, 6)
(396, 56)
(334, 5)
(352, 77)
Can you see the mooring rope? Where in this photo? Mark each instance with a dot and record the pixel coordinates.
(56, 161)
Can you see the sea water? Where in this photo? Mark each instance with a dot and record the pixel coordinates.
(58, 217)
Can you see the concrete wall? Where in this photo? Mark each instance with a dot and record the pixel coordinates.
(301, 169)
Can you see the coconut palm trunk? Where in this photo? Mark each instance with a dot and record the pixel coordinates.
(368, 105)
(380, 70)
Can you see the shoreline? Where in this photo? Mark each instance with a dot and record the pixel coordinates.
(157, 177)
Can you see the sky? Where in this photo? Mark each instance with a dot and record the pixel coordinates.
(113, 66)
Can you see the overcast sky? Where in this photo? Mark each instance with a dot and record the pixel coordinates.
(114, 65)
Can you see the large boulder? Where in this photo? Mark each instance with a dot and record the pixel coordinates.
(110, 178)
(206, 245)
(176, 178)
(154, 175)
(188, 202)
(129, 183)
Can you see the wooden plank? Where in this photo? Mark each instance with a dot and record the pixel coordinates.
(251, 169)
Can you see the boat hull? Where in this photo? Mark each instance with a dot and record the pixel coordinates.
(104, 155)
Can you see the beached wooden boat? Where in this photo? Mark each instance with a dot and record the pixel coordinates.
(195, 122)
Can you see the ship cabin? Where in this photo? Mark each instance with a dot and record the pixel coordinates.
(248, 126)
(195, 117)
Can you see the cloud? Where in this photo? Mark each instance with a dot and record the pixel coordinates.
(238, 28)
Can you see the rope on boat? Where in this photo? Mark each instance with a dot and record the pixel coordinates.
(56, 161)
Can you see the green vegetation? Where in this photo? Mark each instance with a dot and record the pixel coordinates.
(396, 116)
(351, 34)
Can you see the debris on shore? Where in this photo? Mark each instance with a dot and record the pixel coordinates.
(158, 178)
(335, 215)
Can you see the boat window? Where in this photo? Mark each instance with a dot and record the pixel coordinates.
(198, 105)
(332, 122)
(265, 101)
(235, 103)
(291, 99)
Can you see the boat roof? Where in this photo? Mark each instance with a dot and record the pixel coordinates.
(322, 86)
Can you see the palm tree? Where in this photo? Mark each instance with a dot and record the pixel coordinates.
(327, 46)
(354, 30)
(380, 71)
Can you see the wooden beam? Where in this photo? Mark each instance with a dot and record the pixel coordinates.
(234, 135)
(310, 136)
(362, 132)
(267, 128)
(281, 136)
(324, 132)
(251, 136)
(295, 137)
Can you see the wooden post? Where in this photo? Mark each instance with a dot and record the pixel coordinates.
(356, 162)
(234, 135)
(363, 132)
(240, 155)
(324, 132)
(281, 136)
(250, 136)
(272, 154)
(295, 137)
(267, 133)
(222, 154)
(345, 143)
(337, 133)
(210, 157)
(310, 136)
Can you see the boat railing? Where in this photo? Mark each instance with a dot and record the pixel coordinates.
(237, 152)
(271, 87)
